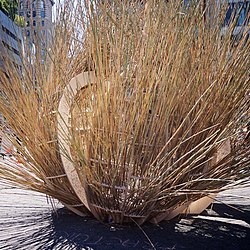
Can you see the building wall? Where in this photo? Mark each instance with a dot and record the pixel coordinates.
(38, 23)
(11, 47)
(238, 8)
(11, 41)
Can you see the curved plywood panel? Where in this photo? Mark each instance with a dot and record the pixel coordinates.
(64, 109)
(196, 207)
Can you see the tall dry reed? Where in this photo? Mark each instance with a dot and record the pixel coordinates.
(145, 138)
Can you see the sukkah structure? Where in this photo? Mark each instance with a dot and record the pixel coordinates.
(133, 116)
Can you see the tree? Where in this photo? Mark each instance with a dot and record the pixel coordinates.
(9, 7)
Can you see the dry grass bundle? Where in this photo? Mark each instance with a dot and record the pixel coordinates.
(152, 130)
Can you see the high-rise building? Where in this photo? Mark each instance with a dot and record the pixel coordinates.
(11, 51)
(238, 11)
(11, 42)
(38, 24)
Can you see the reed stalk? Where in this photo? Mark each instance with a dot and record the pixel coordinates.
(145, 137)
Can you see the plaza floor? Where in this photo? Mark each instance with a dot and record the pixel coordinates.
(27, 221)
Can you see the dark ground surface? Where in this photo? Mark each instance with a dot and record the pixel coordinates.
(27, 221)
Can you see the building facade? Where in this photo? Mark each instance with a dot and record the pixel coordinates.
(11, 42)
(38, 28)
(239, 11)
(11, 51)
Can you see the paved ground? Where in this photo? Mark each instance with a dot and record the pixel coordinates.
(28, 222)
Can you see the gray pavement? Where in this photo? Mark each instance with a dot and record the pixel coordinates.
(27, 221)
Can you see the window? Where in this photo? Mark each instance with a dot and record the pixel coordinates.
(27, 23)
(16, 51)
(34, 22)
(42, 9)
(10, 48)
(7, 31)
(21, 5)
(244, 10)
(238, 10)
(34, 33)
(34, 4)
(17, 67)
(34, 13)
(228, 15)
(42, 5)
(42, 23)
(28, 33)
(28, 13)
(42, 52)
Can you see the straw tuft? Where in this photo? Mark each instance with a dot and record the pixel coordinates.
(135, 116)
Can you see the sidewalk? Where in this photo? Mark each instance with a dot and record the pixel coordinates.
(28, 222)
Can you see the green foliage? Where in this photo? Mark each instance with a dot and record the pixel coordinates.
(19, 20)
(9, 7)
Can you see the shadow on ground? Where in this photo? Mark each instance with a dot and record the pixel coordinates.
(63, 230)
